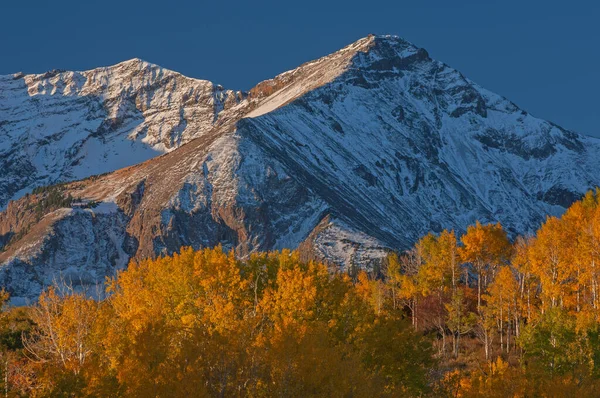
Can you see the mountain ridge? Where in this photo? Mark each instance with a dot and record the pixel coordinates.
(347, 156)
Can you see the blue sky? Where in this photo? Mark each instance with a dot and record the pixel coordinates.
(542, 55)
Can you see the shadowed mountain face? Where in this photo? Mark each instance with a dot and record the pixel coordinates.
(346, 157)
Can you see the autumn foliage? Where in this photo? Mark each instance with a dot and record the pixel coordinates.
(475, 315)
(203, 323)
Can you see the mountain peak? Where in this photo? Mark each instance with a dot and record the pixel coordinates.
(393, 49)
(136, 63)
(348, 155)
(133, 63)
(371, 52)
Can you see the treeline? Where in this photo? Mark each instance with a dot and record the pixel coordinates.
(52, 197)
(203, 323)
(459, 316)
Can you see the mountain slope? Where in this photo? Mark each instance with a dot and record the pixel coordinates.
(62, 126)
(346, 157)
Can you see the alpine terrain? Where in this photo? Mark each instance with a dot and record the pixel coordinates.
(346, 158)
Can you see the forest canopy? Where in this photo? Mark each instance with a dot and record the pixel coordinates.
(460, 316)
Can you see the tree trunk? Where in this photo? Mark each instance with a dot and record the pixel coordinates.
(487, 345)
(443, 343)
(479, 292)
(6, 377)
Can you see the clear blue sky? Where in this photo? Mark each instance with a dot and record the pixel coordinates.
(543, 55)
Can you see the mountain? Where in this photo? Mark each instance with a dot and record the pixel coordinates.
(63, 126)
(346, 157)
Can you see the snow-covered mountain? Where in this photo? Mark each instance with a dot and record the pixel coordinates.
(62, 126)
(345, 157)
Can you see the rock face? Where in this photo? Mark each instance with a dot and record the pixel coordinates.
(62, 126)
(345, 157)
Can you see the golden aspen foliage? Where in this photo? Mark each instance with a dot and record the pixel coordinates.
(60, 346)
(205, 323)
(468, 316)
(485, 247)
